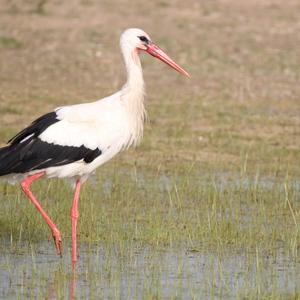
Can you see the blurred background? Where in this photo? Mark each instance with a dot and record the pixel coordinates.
(208, 205)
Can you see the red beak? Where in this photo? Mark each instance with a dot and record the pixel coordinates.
(155, 51)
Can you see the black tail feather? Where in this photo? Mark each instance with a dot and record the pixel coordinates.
(34, 154)
(27, 152)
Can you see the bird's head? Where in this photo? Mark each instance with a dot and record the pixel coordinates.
(137, 39)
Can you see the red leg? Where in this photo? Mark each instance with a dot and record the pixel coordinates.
(25, 184)
(74, 218)
(72, 284)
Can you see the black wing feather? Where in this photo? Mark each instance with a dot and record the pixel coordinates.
(27, 152)
(36, 127)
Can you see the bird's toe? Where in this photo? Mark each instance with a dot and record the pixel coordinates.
(58, 242)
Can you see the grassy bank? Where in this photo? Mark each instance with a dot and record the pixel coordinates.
(209, 204)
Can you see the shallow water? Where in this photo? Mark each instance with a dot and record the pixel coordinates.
(220, 180)
(130, 271)
(135, 273)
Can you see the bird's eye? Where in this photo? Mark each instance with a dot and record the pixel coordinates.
(144, 39)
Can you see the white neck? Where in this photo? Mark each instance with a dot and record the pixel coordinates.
(132, 93)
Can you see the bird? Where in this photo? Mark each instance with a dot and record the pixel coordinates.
(72, 141)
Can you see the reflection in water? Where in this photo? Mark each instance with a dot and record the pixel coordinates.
(72, 284)
(55, 285)
(132, 273)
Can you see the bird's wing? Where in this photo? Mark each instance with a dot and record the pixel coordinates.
(94, 125)
(35, 128)
(27, 151)
(73, 133)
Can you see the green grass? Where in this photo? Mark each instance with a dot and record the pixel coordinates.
(9, 42)
(158, 210)
(230, 226)
(207, 207)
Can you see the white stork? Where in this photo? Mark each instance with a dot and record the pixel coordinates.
(72, 141)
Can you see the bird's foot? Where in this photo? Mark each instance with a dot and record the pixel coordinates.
(57, 241)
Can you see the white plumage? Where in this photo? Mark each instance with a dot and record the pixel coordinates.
(104, 124)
